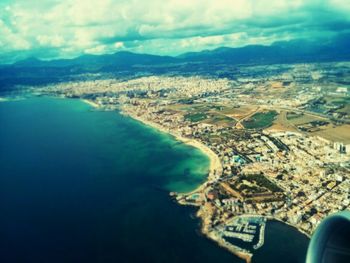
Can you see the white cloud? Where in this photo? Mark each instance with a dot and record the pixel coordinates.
(340, 5)
(118, 45)
(10, 40)
(79, 26)
(52, 41)
(100, 49)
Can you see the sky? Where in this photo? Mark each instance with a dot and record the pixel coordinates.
(51, 29)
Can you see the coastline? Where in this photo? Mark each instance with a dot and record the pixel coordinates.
(91, 103)
(87, 129)
(215, 167)
(289, 224)
(215, 171)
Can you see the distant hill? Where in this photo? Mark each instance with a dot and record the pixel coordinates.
(295, 51)
(33, 71)
(279, 52)
(97, 62)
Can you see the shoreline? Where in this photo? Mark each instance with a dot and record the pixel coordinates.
(215, 167)
(215, 170)
(288, 224)
(91, 103)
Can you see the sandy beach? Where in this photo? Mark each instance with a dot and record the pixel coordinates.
(215, 168)
(91, 103)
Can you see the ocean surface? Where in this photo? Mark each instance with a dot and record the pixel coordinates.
(80, 185)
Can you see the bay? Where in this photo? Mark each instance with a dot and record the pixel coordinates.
(79, 185)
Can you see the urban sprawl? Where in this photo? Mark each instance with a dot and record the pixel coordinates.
(278, 139)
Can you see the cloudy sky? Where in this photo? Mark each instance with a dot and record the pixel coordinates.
(50, 29)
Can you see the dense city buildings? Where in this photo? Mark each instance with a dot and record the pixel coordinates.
(277, 136)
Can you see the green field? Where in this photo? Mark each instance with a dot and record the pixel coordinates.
(255, 184)
(195, 117)
(260, 120)
(262, 182)
(221, 119)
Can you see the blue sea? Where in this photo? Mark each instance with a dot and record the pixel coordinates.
(81, 185)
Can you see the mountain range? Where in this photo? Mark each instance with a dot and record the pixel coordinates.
(34, 71)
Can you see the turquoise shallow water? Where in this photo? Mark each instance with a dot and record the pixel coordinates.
(78, 185)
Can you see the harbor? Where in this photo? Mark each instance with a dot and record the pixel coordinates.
(244, 233)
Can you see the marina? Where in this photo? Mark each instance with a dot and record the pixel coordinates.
(246, 232)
